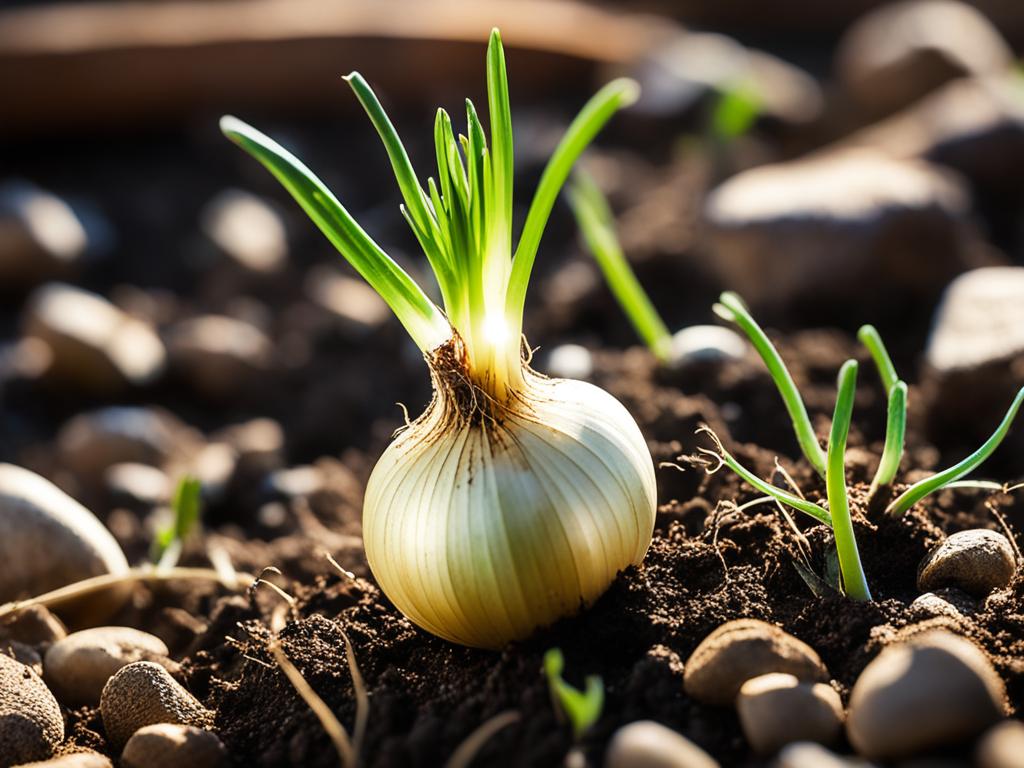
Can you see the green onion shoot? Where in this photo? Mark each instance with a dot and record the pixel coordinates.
(581, 708)
(186, 506)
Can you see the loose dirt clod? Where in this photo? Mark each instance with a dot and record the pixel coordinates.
(1002, 746)
(976, 561)
(933, 690)
(742, 649)
(48, 540)
(144, 693)
(78, 666)
(647, 744)
(167, 745)
(31, 725)
(77, 760)
(777, 709)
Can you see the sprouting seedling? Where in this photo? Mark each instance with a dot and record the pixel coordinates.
(581, 708)
(597, 225)
(734, 112)
(896, 421)
(514, 498)
(185, 507)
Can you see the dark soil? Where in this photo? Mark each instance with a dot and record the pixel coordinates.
(707, 564)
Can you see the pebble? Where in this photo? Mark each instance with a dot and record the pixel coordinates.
(701, 345)
(48, 540)
(94, 346)
(777, 709)
(40, 235)
(935, 690)
(165, 745)
(740, 650)
(31, 724)
(841, 218)
(144, 693)
(76, 760)
(138, 486)
(90, 443)
(898, 53)
(78, 666)
(1001, 746)
(247, 229)
(805, 754)
(647, 744)
(945, 602)
(218, 355)
(570, 361)
(34, 625)
(975, 561)
(357, 308)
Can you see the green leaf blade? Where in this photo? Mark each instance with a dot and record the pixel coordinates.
(421, 318)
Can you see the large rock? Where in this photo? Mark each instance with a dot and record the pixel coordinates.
(685, 69)
(41, 237)
(743, 649)
(31, 724)
(973, 125)
(48, 540)
(94, 346)
(834, 227)
(935, 690)
(900, 52)
(974, 361)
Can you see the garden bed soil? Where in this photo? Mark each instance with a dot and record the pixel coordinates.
(707, 564)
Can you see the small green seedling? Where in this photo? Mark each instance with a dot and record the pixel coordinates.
(186, 506)
(581, 708)
(597, 225)
(734, 112)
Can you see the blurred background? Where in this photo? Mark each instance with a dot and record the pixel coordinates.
(162, 299)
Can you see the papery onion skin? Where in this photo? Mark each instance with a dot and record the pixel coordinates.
(483, 522)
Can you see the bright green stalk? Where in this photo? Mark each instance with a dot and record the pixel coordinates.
(605, 103)
(582, 708)
(597, 224)
(940, 480)
(854, 583)
(895, 432)
(789, 499)
(425, 323)
(732, 308)
(871, 339)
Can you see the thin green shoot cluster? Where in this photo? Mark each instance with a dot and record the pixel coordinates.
(735, 111)
(598, 228)
(186, 507)
(581, 708)
(462, 220)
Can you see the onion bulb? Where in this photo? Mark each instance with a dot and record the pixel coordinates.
(514, 499)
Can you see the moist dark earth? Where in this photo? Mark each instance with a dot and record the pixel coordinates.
(335, 399)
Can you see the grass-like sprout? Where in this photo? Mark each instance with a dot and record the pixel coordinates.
(734, 113)
(166, 547)
(598, 228)
(944, 479)
(896, 421)
(854, 582)
(581, 708)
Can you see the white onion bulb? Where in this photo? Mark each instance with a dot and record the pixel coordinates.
(484, 522)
